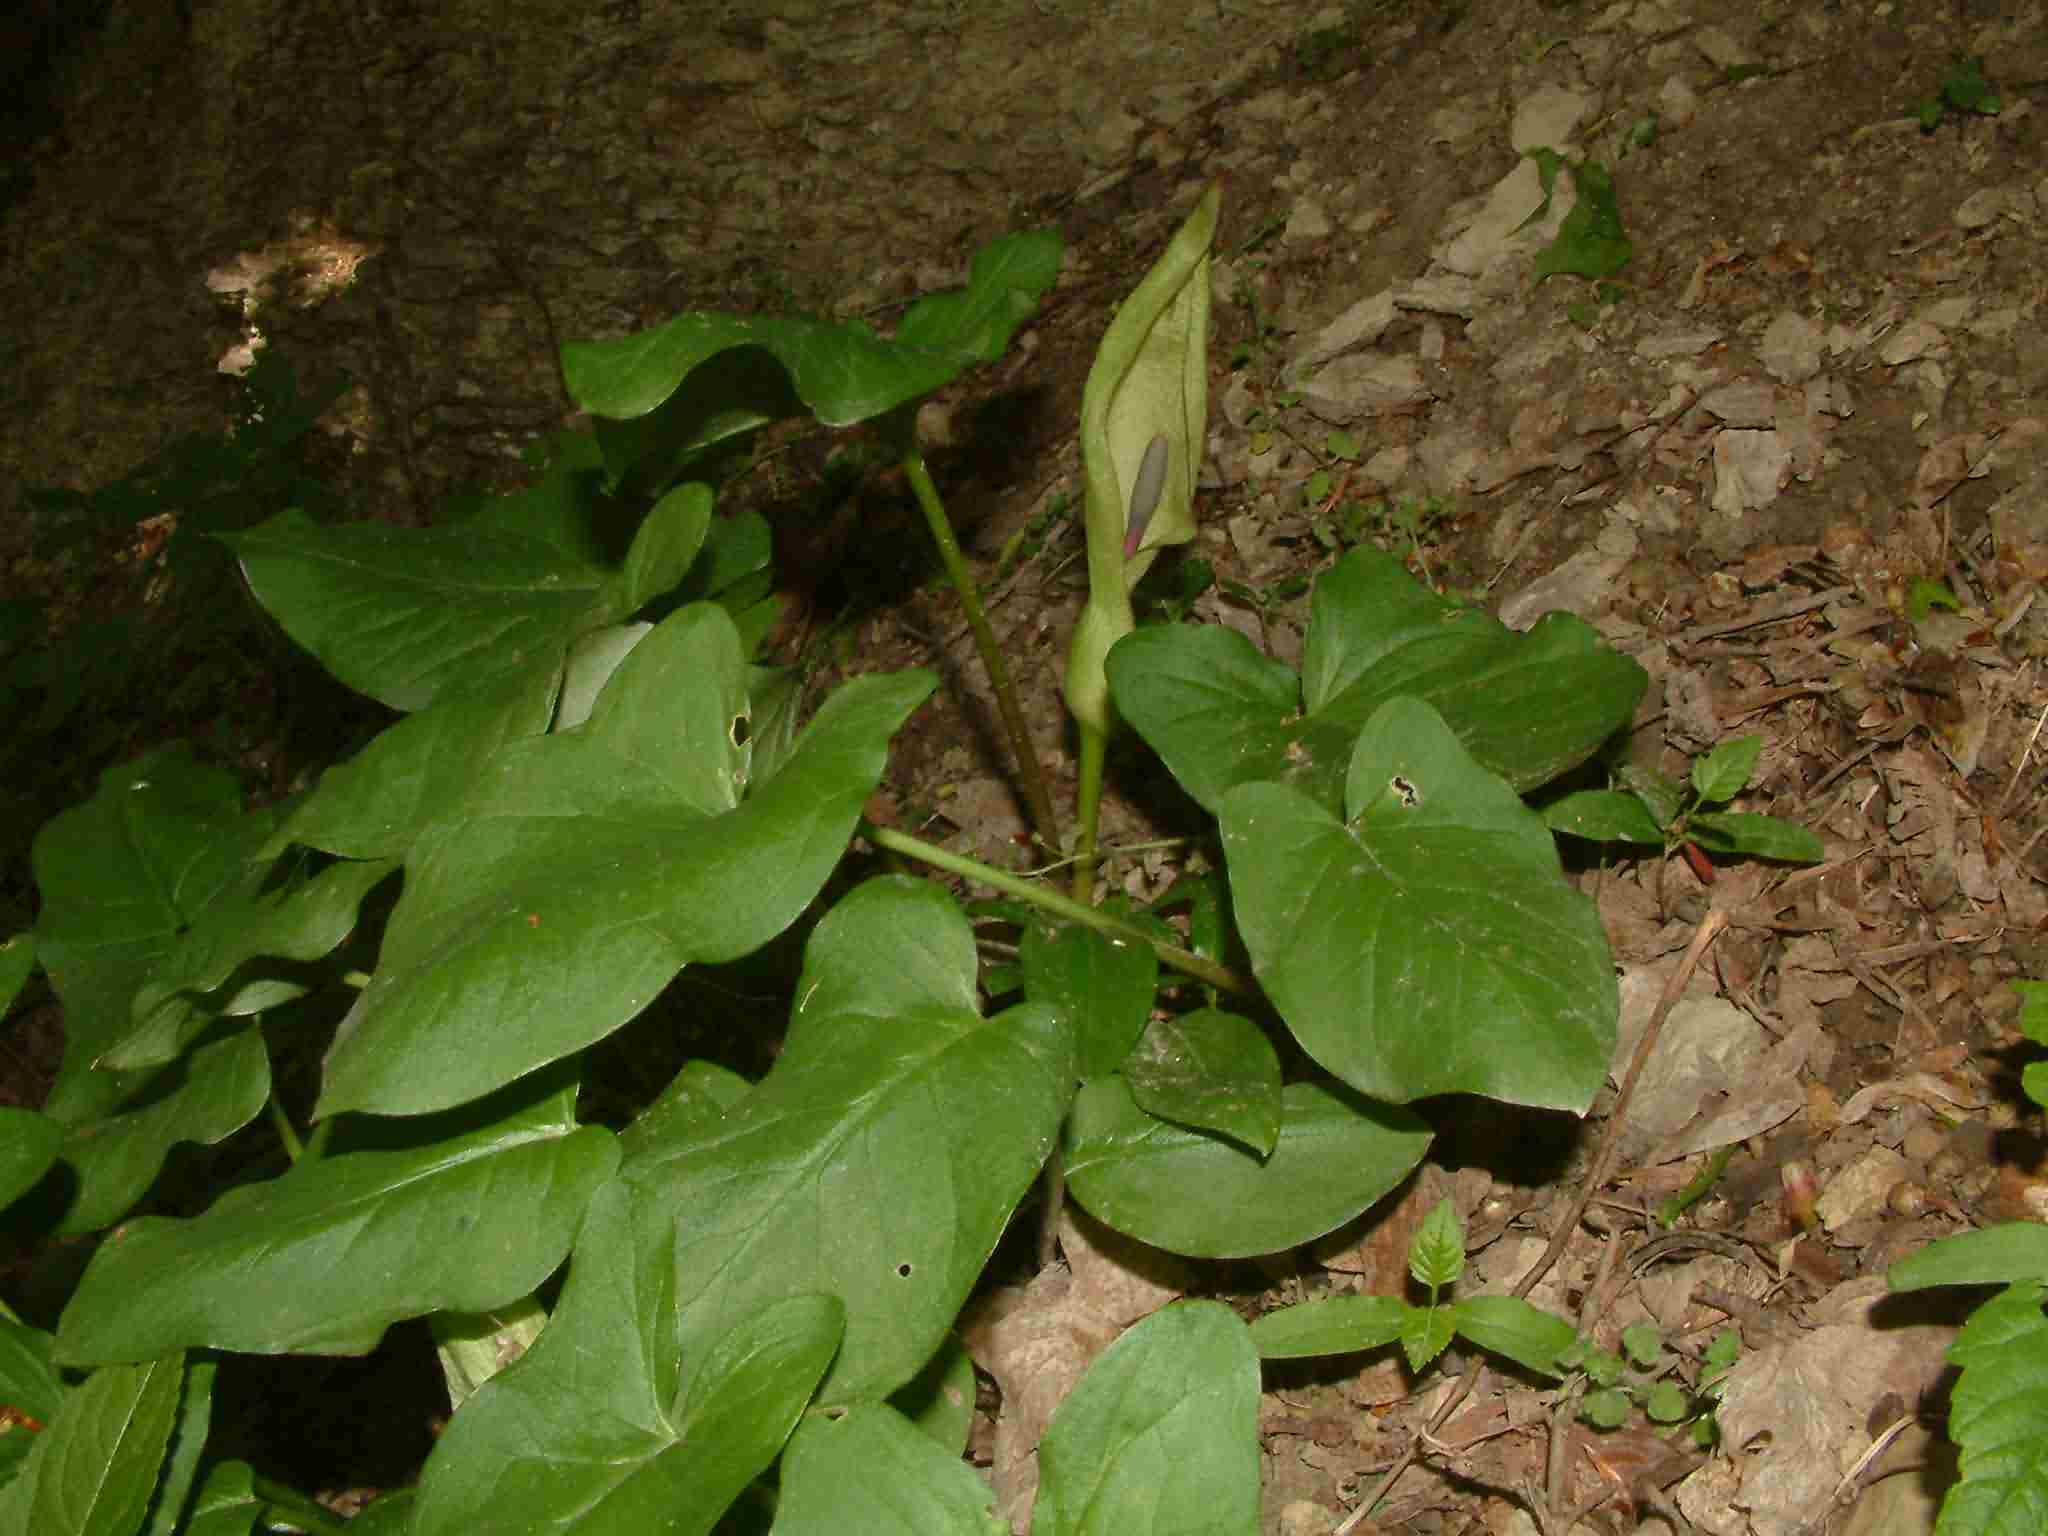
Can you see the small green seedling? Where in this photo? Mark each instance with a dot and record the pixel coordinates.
(1645, 1375)
(1501, 1325)
(1651, 809)
(1027, 541)
(1591, 241)
(1963, 89)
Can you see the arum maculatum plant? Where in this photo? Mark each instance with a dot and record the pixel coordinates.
(731, 1297)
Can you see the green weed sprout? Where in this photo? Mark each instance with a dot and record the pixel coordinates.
(1653, 810)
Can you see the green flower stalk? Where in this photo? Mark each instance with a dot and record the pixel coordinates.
(1144, 413)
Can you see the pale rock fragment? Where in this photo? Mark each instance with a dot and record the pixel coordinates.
(1791, 348)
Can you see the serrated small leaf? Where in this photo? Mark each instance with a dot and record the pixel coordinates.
(1998, 1418)
(1604, 816)
(1534, 1339)
(2033, 1020)
(1725, 772)
(1603, 1367)
(1756, 837)
(1335, 1325)
(1436, 1254)
(1426, 1332)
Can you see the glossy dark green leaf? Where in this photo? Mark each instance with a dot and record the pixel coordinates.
(377, 803)
(871, 1471)
(694, 1101)
(93, 1469)
(882, 1156)
(1429, 943)
(1211, 1071)
(28, 1372)
(587, 1433)
(664, 547)
(939, 1400)
(325, 1258)
(1104, 984)
(1160, 1437)
(590, 866)
(1189, 1192)
(402, 613)
(121, 876)
(841, 370)
(204, 1097)
(187, 1447)
(1528, 706)
(256, 918)
(28, 1146)
(17, 961)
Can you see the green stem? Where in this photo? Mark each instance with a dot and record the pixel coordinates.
(1036, 795)
(1088, 800)
(282, 1124)
(1187, 962)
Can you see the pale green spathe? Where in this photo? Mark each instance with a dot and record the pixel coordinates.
(1150, 379)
